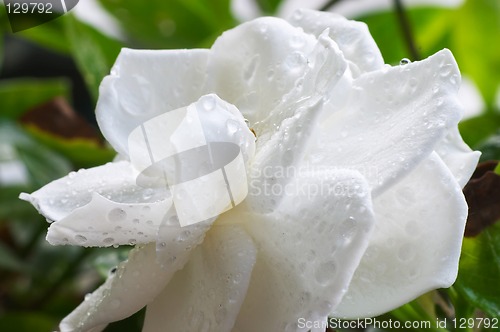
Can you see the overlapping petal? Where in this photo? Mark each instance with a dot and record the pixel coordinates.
(144, 84)
(458, 156)
(255, 74)
(308, 250)
(352, 37)
(206, 295)
(113, 181)
(395, 117)
(416, 243)
(133, 285)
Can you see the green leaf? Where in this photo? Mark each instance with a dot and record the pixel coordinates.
(27, 322)
(42, 164)
(49, 35)
(19, 95)
(173, 23)
(490, 149)
(480, 269)
(11, 207)
(82, 152)
(268, 7)
(477, 26)
(93, 52)
(429, 26)
(8, 260)
(478, 129)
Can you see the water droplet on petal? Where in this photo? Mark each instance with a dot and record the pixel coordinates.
(108, 241)
(232, 126)
(325, 272)
(147, 193)
(117, 215)
(80, 238)
(405, 252)
(251, 68)
(404, 61)
(208, 103)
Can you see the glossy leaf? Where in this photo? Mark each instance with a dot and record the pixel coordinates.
(479, 270)
(93, 52)
(478, 129)
(477, 26)
(268, 7)
(82, 152)
(8, 260)
(42, 164)
(490, 148)
(27, 322)
(19, 95)
(173, 23)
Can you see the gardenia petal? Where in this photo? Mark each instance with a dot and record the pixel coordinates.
(458, 156)
(144, 84)
(416, 244)
(352, 37)
(113, 181)
(207, 293)
(105, 223)
(394, 118)
(308, 250)
(133, 285)
(255, 74)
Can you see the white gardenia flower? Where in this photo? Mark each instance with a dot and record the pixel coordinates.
(354, 202)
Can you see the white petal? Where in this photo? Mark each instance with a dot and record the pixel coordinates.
(416, 243)
(114, 181)
(144, 84)
(282, 151)
(207, 293)
(134, 284)
(352, 37)
(199, 153)
(139, 280)
(393, 120)
(308, 250)
(457, 155)
(105, 223)
(257, 63)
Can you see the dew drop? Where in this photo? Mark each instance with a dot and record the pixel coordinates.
(295, 61)
(147, 194)
(404, 62)
(405, 252)
(80, 238)
(117, 215)
(325, 272)
(251, 68)
(172, 221)
(208, 103)
(108, 241)
(183, 236)
(232, 126)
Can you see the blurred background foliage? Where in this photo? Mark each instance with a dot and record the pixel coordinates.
(49, 79)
